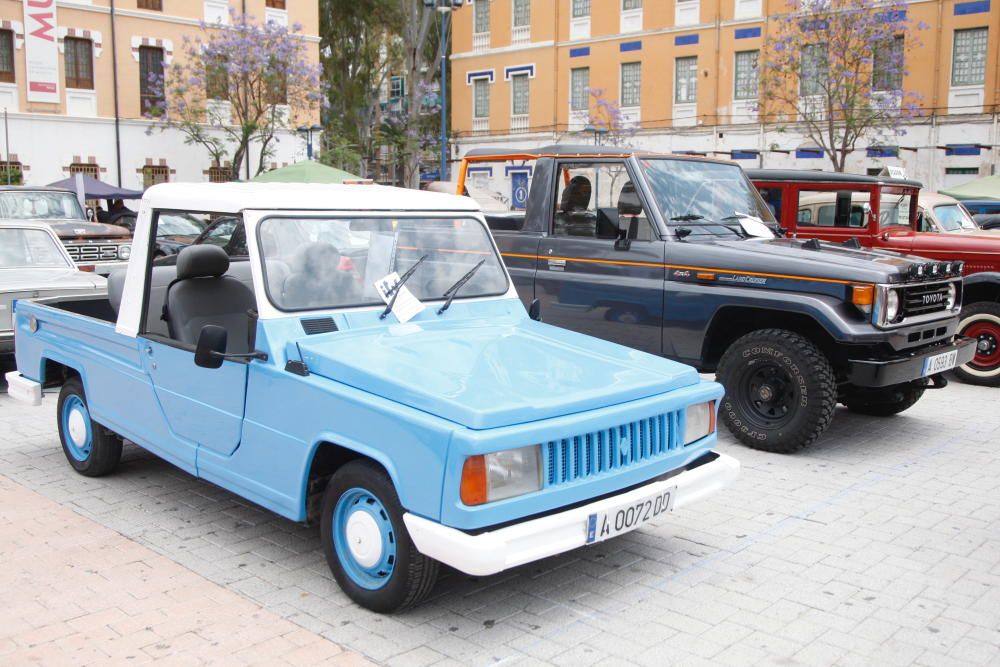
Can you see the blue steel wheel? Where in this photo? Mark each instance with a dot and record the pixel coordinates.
(364, 538)
(366, 544)
(90, 448)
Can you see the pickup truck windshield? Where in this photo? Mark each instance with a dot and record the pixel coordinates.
(28, 205)
(320, 263)
(708, 198)
(953, 218)
(21, 248)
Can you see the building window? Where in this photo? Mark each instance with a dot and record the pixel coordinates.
(11, 173)
(216, 81)
(79, 63)
(631, 4)
(481, 16)
(397, 87)
(275, 4)
(217, 174)
(961, 171)
(631, 84)
(150, 78)
(86, 168)
(968, 60)
(745, 75)
(579, 89)
(481, 98)
(151, 175)
(154, 5)
(581, 8)
(686, 80)
(6, 56)
(522, 13)
(519, 94)
(887, 65)
(812, 78)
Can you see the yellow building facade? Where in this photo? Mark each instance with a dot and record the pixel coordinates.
(64, 97)
(683, 73)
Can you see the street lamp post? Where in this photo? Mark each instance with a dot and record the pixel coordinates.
(444, 7)
(307, 134)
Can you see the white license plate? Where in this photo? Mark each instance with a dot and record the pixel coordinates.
(940, 362)
(622, 519)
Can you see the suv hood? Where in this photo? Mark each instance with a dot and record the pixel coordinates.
(84, 229)
(797, 257)
(488, 372)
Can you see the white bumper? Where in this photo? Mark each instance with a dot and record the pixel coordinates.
(23, 389)
(497, 550)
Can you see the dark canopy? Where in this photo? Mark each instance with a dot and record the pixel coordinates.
(95, 189)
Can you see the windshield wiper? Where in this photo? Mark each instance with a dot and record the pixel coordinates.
(453, 290)
(394, 291)
(688, 217)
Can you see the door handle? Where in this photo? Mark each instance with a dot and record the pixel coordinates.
(149, 350)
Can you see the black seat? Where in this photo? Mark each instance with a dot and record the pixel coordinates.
(203, 294)
(317, 279)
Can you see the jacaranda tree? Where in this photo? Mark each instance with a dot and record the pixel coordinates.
(238, 85)
(837, 67)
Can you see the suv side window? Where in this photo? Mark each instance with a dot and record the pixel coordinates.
(587, 202)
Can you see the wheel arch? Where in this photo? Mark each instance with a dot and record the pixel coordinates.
(330, 453)
(981, 287)
(732, 322)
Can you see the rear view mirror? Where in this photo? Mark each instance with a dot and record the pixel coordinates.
(535, 310)
(211, 347)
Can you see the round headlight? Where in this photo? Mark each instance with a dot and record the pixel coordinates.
(891, 305)
(952, 295)
(124, 251)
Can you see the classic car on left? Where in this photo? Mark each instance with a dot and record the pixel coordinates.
(34, 264)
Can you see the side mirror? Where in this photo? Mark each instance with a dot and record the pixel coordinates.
(535, 310)
(211, 347)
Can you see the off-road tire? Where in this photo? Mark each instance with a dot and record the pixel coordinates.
(101, 450)
(980, 315)
(413, 574)
(884, 401)
(810, 382)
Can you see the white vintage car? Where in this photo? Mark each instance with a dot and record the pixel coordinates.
(34, 264)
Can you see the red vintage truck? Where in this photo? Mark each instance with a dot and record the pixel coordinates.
(884, 212)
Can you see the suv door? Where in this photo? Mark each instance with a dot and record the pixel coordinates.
(586, 281)
(202, 407)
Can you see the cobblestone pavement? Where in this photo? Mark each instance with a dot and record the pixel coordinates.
(879, 545)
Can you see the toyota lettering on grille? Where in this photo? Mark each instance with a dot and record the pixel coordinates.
(936, 297)
(92, 253)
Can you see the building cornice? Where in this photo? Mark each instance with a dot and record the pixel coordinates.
(153, 16)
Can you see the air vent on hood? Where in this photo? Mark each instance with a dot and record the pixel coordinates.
(318, 325)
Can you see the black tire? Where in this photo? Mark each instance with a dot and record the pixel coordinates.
(91, 449)
(411, 575)
(780, 390)
(981, 320)
(884, 401)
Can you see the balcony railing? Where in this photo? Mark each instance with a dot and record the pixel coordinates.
(480, 125)
(520, 34)
(480, 41)
(519, 123)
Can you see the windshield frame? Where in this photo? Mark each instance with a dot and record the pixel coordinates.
(668, 228)
(46, 231)
(43, 191)
(279, 311)
(961, 227)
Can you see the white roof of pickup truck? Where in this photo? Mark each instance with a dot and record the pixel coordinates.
(236, 197)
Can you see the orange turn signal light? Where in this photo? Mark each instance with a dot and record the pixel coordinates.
(473, 489)
(862, 295)
(704, 275)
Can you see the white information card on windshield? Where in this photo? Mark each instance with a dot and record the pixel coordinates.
(406, 306)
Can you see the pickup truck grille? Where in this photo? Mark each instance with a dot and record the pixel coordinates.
(94, 252)
(924, 299)
(581, 456)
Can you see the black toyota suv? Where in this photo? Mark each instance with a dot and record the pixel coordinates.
(676, 255)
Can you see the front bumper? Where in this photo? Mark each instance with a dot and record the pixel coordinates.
(870, 373)
(22, 389)
(497, 550)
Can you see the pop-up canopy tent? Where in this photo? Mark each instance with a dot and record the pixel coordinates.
(95, 189)
(987, 187)
(306, 172)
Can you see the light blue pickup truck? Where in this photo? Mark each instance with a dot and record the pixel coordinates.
(369, 367)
